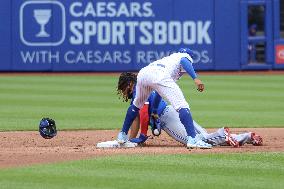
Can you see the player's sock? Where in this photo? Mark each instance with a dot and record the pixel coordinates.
(186, 120)
(131, 114)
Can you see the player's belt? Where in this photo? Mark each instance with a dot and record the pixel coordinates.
(160, 65)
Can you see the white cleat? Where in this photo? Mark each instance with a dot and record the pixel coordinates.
(122, 137)
(194, 143)
(191, 142)
(203, 145)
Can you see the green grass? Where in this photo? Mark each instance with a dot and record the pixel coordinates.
(90, 102)
(259, 170)
(238, 101)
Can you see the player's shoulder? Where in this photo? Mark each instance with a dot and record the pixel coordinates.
(178, 56)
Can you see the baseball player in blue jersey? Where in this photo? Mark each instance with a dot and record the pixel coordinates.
(161, 76)
(170, 123)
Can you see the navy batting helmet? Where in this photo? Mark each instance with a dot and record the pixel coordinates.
(47, 128)
(187, 51)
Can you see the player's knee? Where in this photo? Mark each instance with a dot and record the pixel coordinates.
(184, 110)
(179, 107)
(184, 114)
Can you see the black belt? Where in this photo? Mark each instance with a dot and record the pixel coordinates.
(161, 65)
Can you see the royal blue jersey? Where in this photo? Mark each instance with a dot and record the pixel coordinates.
(161, 107)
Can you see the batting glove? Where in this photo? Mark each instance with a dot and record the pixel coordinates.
(140, 140)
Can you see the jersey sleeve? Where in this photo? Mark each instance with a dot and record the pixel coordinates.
(133, 95)
(185, 55)
(187, 66)
(144, 119)
(162, 105)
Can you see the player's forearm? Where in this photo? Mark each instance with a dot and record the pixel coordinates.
(187, 66)
(135, 127)
(131, 114)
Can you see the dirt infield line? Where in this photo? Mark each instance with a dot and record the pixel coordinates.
(18, 149)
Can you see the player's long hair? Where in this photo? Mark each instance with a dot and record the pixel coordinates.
(124, 81)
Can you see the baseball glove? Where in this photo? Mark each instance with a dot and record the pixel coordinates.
(155, 124)
(140, 140)
(256, 140)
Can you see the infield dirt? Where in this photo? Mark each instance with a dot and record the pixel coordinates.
(18, 149)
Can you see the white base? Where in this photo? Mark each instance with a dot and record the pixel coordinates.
(115, 144)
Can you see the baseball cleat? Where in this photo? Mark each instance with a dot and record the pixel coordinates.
(256, 140)
(122, 137)
(203, 145)
(193, 143)
(229, 139)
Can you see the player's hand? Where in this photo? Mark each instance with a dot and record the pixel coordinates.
(155, 124)
(140, 140)
(199, 84)
(155, 116)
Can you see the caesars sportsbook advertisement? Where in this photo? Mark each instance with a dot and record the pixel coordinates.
(114, 35)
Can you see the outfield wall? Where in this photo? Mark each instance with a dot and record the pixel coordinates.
(118, 35)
